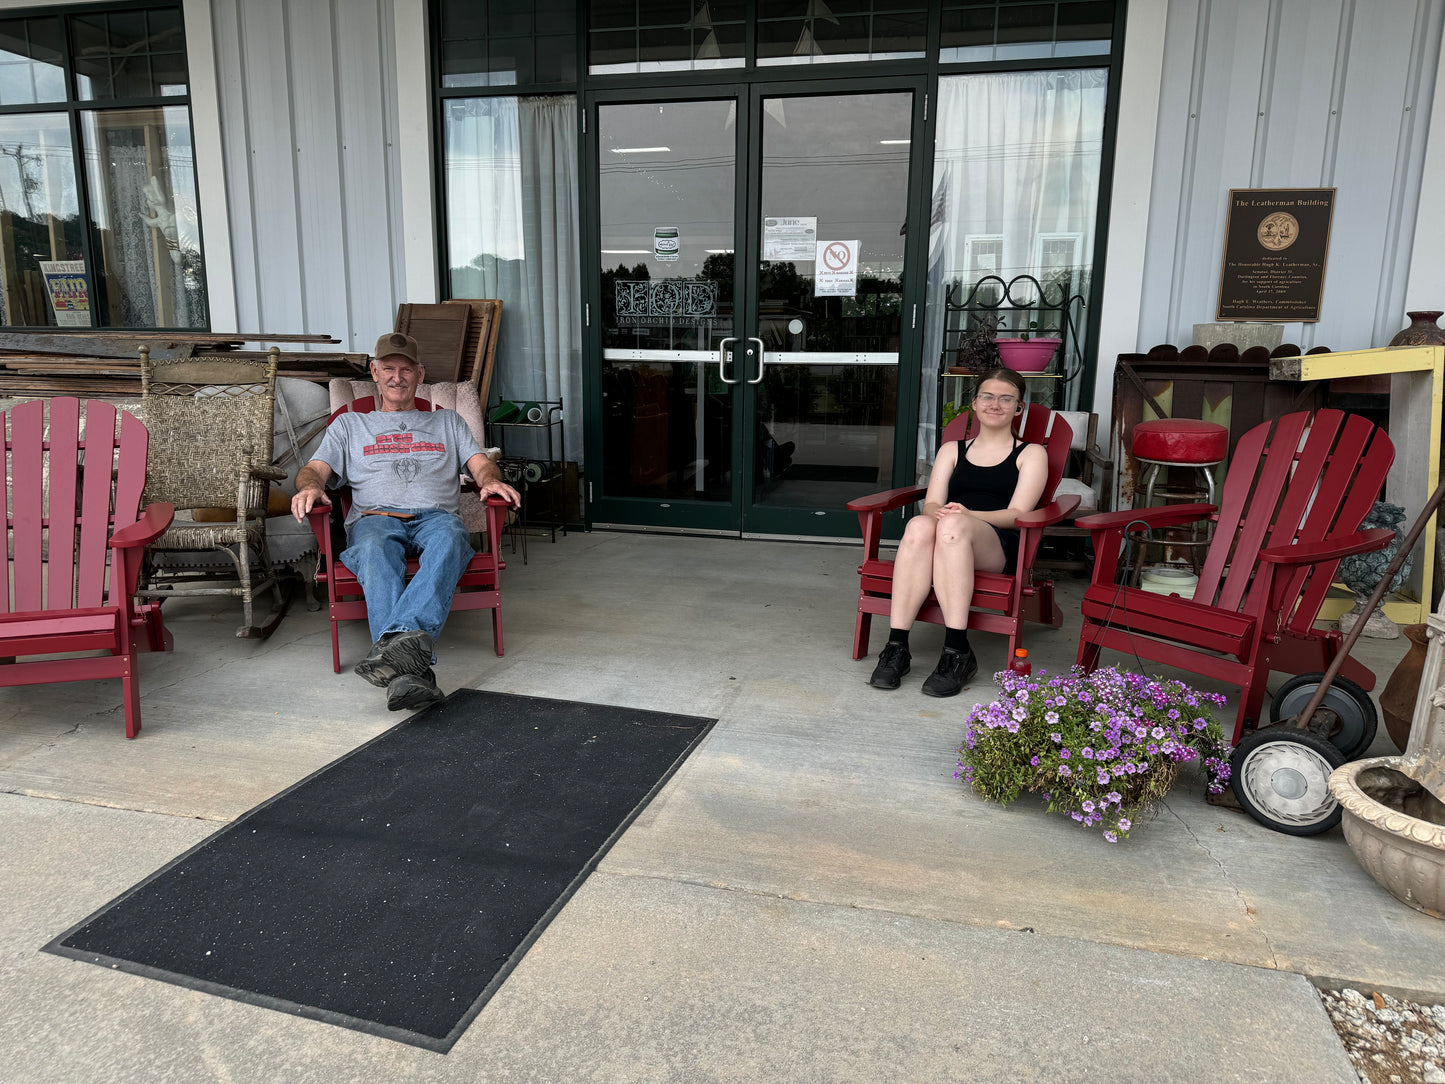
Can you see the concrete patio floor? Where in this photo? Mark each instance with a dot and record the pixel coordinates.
(812, 897)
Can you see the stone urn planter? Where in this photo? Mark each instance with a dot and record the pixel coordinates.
(1394, 807)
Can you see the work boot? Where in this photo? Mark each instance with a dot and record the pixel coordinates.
(409, 691)
(396, 653)
(374, 668)
(893, 663)
(954, 670)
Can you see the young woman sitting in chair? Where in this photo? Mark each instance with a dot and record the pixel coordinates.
(977, 491)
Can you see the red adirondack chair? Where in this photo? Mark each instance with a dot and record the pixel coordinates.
(1000, 603)
(1293, 500)
(58, 548)
(478, 589)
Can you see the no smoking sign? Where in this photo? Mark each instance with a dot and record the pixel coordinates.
(836, 269)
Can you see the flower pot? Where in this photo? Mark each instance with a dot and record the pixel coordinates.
(1397, 701)
(1027, 355)
(1396, 828)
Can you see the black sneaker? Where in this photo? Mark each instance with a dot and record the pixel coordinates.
(893, 663)
(954, 670)
(409, 691)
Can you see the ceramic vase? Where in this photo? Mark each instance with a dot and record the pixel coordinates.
(1397, 701)
(1423, 330)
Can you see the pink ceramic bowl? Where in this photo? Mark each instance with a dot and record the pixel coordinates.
(1028, 355)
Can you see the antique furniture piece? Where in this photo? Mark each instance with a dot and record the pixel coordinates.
(1179, 442)
(1001, 603)
(480, 585)
(73, 495)
(212, 433)
(1293, 500)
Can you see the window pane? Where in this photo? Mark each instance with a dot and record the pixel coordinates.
(30, 62)
(510, 61)
(113, 54)
(1015, 193)
(848, 31)
(464, 62)
(556, 59)
(144, 225)
(40, 224)
(169, 72)
(973, 32)
(612, 14)
(504, 243)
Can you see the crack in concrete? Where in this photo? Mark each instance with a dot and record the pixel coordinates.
(1249, 912)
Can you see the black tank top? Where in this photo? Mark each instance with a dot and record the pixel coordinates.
(985, 489)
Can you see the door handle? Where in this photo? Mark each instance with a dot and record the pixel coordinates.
(723, 353)
(759, 378)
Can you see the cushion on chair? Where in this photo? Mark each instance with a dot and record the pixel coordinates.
(1079, 422)
(1180, 440)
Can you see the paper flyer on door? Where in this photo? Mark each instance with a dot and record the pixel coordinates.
(836, 272)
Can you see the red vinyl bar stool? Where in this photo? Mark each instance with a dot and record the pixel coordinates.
(1179, 442)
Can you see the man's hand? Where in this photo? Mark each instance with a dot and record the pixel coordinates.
(487, 477)
(498, 488)
(310, 488)
(305, 500)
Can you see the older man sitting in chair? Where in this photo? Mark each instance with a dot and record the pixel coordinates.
(404, 467)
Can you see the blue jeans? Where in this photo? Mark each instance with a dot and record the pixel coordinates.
(377, 549)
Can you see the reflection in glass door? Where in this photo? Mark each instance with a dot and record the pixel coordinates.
(757, 402)
(667, 191)
(833, 207)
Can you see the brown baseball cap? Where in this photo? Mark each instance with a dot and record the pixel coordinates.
(395, 344)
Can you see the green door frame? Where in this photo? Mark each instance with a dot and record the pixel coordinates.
(737, 517)
(698, 517)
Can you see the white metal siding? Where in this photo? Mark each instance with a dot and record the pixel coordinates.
(308, 126)
(1291, 94)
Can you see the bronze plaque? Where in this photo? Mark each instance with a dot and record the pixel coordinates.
(1275, 244)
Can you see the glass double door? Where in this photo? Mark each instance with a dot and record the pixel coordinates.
(749, 308)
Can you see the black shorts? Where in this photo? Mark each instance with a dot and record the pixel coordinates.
(1008, 538)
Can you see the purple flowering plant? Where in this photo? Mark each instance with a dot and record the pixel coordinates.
(1102, 747)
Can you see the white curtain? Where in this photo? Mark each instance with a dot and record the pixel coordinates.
(1015, 192)
(512, 225)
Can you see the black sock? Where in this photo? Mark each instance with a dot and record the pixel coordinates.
(898, 636)
(955, 638)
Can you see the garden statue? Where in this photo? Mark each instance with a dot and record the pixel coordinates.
(159, 216)
(1362, 572)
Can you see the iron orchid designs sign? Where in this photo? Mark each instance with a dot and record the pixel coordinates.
(1276, 241)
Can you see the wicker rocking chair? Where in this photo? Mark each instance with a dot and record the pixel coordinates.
(211, 426)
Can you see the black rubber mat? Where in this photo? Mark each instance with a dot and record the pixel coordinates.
(394, 890)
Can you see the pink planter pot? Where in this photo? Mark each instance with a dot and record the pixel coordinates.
(1027, 355)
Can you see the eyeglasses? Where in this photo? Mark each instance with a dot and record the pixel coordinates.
(988, 398)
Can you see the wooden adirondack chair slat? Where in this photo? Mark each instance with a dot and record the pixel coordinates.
(1301, 480)
(60, 541)
(26, 538)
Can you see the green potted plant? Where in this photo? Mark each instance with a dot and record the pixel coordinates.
(1101, 747)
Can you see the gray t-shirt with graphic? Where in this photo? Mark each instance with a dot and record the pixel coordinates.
(400, 460)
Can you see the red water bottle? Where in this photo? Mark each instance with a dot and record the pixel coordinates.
(1020, 664)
